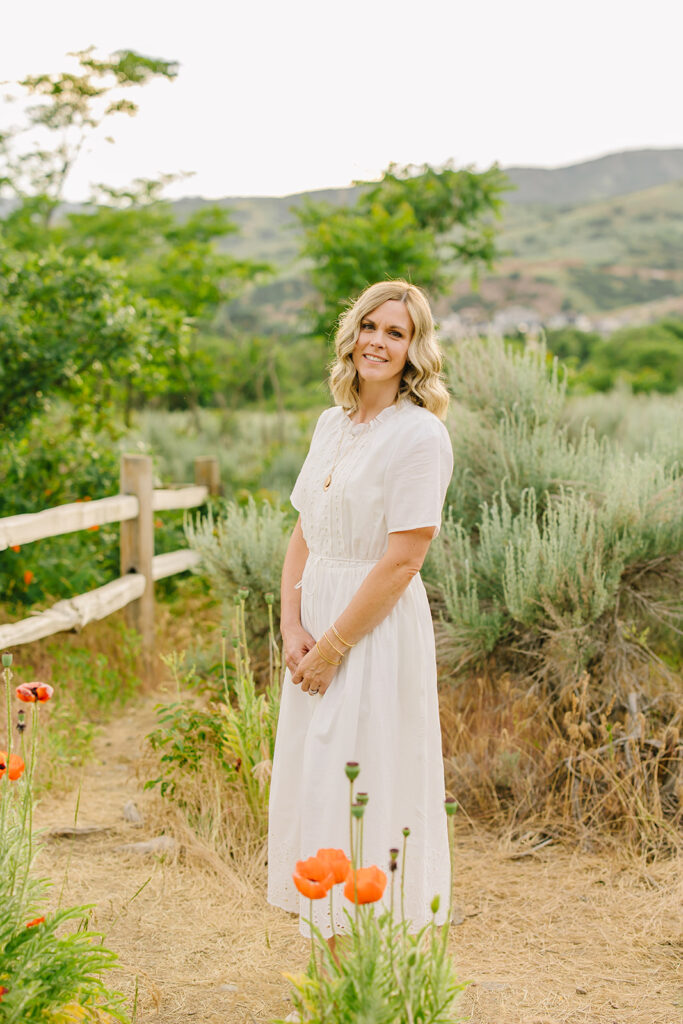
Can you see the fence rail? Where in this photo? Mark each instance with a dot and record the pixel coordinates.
(134, 509)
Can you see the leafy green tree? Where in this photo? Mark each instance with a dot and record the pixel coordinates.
(417, 223)
(64, 323)
(649, 357)
(175, 265)
(70, 108)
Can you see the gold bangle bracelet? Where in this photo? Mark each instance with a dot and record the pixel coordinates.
(336, 649)
(335, 663)
(339, 637)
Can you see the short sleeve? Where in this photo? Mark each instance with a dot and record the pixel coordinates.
(417, 479)
(296, 497)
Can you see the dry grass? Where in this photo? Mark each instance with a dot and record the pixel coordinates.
(551, 937)
(572, 765)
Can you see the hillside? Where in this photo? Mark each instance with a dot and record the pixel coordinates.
(599, 239)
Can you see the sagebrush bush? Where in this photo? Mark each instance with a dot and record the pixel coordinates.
(559, 568)
(243, 549)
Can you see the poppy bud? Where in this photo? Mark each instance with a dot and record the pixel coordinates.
(357, 810)
(451, 806)
(362, 798)
(236, 599)
(434, 905)
(269, 598)
(406, 831)
(243, 593)
(393, 855)
(6, 660)
(21, 722)
(352, 769)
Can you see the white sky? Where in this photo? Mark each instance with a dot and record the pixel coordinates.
(276, 97)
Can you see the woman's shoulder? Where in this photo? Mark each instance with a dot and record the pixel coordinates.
(419, 422)
(328, 418)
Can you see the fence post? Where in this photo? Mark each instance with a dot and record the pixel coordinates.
(207, 473)
(137, 547)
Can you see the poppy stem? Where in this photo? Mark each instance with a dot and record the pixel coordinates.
(332, 911)
(8, 678)
(313, 960)
(403, 876)
(353, 859)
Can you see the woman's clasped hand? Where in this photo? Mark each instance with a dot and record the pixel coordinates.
(316, 667)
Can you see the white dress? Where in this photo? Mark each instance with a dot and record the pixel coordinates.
(381, 708)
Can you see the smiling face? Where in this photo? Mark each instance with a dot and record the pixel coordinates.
(381, 350)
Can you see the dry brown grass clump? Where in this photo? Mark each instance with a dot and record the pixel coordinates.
(580, 762)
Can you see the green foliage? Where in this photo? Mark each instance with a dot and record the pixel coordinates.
(258, 452)
(67, 455)
(398, 228)
(92, 684)
(644, 423)
(380, 972)
(544, 530)
(61, 318)
(243, 550)
(647, 357)
(384, 975)
(45, 968)
(231, 740)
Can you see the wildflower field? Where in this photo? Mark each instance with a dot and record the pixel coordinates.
(134, 807)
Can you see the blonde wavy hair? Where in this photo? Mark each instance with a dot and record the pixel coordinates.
(421, 382)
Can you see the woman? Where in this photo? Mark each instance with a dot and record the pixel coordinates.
(358, 638)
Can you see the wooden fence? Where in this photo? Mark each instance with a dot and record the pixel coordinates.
(135, 509)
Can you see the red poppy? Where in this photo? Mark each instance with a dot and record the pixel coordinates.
(28, 577)
(16, 547)
(369, 887)
(3, 991)
(338, 863)
(35, 922)
(16, 765)
(32, 692)
(93, 528)
(313, 878)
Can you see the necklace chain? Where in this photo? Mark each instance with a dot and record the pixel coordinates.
(337, 460)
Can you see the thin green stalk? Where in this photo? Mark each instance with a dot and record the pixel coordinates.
(406, 833)
(353, 859)
(332, 911)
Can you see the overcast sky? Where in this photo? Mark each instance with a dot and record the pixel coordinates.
(276, 97)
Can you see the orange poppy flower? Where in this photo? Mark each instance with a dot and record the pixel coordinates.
(92, 529)
(369, 887)
(313, 878)
(16, 765)
(36, 921)
(16, 547)
(32, 692)
(28, 577)
(3, 991)
(338, 863)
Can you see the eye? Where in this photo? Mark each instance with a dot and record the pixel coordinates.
(366, 327)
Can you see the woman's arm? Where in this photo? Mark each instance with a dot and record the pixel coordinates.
(296, 640)
(372, 602)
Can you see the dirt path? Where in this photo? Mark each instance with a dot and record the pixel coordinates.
(555, 938)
